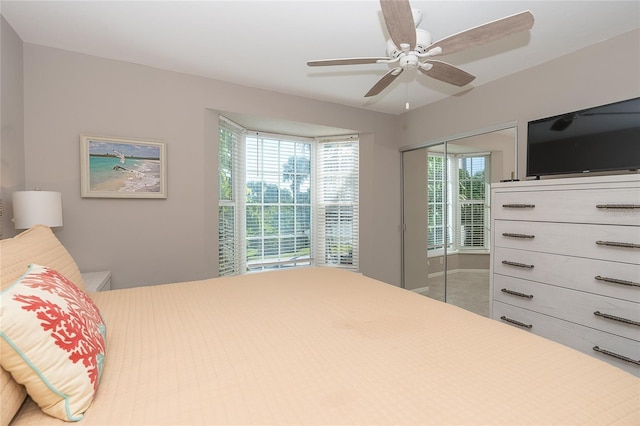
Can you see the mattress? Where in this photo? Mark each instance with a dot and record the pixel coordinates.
(323, 346)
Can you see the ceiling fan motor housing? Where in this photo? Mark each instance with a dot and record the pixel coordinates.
(423, 41)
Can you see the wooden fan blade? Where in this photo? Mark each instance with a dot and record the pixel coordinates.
(345, 61)
(485, 33)
(399, 21)
(447, 73)
(386, 80)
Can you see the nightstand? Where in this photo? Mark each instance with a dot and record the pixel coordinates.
(97, 281)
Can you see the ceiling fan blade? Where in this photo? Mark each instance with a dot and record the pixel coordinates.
(485, 33)
(399, 21)
(446, 72)
(386, 80)
(345, 61)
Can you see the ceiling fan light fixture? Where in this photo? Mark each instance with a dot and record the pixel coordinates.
(409, 62)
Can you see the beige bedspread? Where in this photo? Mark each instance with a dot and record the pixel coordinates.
(327, 347)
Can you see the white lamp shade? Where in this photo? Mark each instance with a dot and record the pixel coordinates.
(37, 208)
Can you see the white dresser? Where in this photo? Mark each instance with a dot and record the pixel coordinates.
(565, 263)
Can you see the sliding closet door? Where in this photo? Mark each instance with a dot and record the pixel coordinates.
(446, 215)
(424, 221)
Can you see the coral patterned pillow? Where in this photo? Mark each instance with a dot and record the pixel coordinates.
(52, 340)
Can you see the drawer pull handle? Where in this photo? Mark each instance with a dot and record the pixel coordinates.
(518, 206)
(517, 293)
(615, 355)
(618, 206)
(514, 322)
(617, 244)
(517, 264)
(615, 318)
(616, 281)
(509, 234)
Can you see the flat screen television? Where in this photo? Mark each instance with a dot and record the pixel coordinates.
(603, 138)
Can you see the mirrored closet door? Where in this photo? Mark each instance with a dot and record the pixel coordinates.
(446, 215)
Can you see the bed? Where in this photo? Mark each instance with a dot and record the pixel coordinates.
(313, 346)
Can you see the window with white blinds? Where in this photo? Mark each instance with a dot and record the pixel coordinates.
(438, 228)
(337, 203)
(286, 201)
(231, 258)
(473, 203)
(278, 210)
(458, 202)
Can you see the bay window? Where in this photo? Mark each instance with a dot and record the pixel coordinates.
(286, 201)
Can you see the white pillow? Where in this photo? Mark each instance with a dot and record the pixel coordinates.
(52, 340)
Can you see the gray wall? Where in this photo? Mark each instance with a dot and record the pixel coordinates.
(154, 241)
(12, 167)
(602, 73)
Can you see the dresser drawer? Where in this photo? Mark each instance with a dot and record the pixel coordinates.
(606, 242)
(612, 279)
(611, 315)
(612, 206)
(579, 337)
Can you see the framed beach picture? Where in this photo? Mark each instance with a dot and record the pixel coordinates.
(122, 168)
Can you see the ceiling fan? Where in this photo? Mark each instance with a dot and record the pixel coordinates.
(411, 48)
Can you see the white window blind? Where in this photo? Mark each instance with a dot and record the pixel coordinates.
(438, 199)
(337, 203)
(231, 258)
(473, 207)
(278, 209)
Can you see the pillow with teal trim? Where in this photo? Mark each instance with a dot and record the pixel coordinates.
(52, 340)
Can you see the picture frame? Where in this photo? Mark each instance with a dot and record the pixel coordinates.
(113, 167)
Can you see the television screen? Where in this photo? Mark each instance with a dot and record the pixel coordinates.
(603, 138)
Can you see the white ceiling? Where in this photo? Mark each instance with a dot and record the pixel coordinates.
(266, 44)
